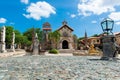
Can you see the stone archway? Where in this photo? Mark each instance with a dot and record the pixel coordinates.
(65, 44)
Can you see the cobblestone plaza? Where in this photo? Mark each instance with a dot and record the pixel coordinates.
(58, 68)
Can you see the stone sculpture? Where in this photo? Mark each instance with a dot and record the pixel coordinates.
(36, 45)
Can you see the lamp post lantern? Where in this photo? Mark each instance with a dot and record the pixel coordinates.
(107, 25)
(108, 41)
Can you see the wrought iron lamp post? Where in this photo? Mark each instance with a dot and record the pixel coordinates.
(108, 41)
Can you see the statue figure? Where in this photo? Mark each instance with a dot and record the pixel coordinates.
(92, 50)
(36, 45)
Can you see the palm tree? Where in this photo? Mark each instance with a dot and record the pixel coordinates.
(54, 37)
(50, 38)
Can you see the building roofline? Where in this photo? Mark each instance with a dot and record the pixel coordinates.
(67, 26)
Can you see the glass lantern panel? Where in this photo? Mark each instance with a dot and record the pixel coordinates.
(110, 25)
(103, 25)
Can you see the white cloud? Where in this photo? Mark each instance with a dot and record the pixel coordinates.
(116, 17)
(84, 1)
(25, 1)
(94, 22)
(3, 20)
(72, 15)
(97, 7)
(39, 10)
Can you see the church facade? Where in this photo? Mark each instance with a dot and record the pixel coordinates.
(66, 40)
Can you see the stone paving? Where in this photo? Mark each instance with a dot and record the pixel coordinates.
(58, 68)
(18, 52)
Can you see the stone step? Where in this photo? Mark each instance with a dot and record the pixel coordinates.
(66, 50)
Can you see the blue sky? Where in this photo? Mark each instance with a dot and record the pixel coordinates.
(81, 15)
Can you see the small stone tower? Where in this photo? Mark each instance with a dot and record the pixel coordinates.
(46, 29)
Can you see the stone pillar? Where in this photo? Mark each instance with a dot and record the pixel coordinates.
(3, 31)
(36, 45)
(108, 47)
(13, 41)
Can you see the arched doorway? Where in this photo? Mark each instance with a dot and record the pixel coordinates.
(65, 44)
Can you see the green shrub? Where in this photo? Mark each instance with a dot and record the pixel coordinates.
(54, 51)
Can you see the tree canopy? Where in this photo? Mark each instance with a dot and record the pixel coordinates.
(20, 39)
(54, 37)
(30, 33)
(9, 31)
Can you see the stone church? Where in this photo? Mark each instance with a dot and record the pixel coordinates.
(66, 39)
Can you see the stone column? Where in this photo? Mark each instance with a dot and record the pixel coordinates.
(3, 31)
(13, 41)
(36, 45)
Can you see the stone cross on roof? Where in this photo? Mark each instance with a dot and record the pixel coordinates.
(64, 22)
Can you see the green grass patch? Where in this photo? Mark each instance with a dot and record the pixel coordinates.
(53, 51)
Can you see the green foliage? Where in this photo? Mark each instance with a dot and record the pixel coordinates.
(9, 31)
(75, 38)
(21, 39)
(54, 37)
(95, 35)
(17, 32)
(31, 32)
(50, 36)
(25, 41)
(18, 37)
(54, 51)
(81, 38)
(28, 35)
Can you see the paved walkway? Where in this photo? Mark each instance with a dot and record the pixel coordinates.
(22, 52)
(18, 52)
